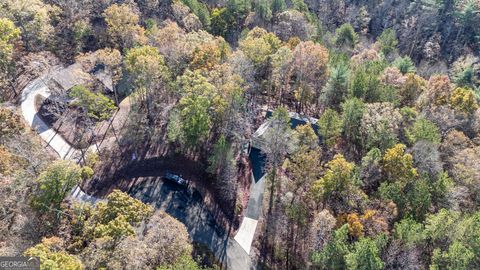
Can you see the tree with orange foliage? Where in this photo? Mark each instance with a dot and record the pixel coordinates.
(413, 86)
(308, 73)
(438, 91)
(207, 55)
(355, 227)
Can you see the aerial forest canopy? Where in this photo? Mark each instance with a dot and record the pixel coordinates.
(302, 134)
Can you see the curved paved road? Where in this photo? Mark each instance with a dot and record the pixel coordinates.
(185, 205)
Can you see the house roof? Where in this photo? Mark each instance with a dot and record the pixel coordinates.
(71, 76)
(102, 75)
(296, 119)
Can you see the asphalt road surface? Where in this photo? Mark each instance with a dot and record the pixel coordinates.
(187, 206)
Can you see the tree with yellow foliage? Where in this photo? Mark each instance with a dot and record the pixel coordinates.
(355, 226)
(304, 168)
(413, 86)
(53, 256)
(117, 217)
(150, 75)
(10, 123)
(112, 59)
(8, 35)
(464, 99)
(397, 165)
(338, 184)
(123, 26)
(34, 17)
(371, 223)
(306, 137)
(403, 185)
(55, 183)
(5, 160)
(259, 45)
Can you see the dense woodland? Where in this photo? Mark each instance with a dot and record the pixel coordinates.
(389, 178)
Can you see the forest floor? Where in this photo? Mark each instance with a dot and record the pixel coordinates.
(72, 125)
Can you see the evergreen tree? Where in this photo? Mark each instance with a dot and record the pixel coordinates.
(330, 126)
(278, 6)
(263, 8)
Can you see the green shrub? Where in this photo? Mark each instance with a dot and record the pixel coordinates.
(98, 106)
(424, 129)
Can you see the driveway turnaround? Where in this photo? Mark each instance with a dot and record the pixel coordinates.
(38, 88)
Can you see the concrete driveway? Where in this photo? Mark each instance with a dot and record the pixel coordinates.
(30, 93)
(38, 88)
